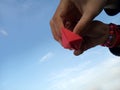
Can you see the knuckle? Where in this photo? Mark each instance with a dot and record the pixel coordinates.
(55, 19)
(51, 22)
(55, 37)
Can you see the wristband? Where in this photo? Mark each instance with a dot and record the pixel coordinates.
(113, 31)
(117, 34)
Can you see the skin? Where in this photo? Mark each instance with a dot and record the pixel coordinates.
(97, 34)
(77, 16)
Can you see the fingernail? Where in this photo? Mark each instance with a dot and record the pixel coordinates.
(77, 52)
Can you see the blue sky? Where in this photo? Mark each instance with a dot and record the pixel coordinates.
(30, 59)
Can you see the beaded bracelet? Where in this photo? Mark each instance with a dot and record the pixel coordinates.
(113, 31)
(117, 40)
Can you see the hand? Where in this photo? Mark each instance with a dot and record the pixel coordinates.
(66, 15)
(75, 15)
(97, 33)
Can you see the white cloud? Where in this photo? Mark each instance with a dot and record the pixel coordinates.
(3, 32)
(103, 76)
(69, 71)
(47, 57)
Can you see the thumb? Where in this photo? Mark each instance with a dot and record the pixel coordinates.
(82, 24)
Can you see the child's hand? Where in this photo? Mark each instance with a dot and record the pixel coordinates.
(97, 33)
(75, 15)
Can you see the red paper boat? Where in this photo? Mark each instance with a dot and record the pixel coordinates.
(70, 40)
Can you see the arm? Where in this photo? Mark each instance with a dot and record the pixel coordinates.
(107, 35)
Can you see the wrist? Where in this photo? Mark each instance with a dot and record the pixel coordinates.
(106, 33)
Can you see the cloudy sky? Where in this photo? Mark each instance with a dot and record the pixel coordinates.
(30, 59)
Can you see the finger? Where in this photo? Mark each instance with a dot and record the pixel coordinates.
(78, 52)
(82, 24)
(81, 50)
(88, 43)
(54, 32)
(58, 22)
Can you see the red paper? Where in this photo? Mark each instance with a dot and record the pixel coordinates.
(70, 40)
